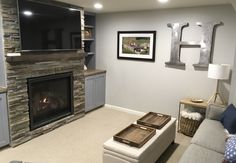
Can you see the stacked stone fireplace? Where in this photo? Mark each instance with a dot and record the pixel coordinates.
(45, 91)
(30, 67)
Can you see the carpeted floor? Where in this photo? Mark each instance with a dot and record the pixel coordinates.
(81, 141)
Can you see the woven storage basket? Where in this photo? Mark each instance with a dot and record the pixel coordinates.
(189, 126)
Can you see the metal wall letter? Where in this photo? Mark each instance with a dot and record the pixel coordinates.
(205, 44)
(176, 43)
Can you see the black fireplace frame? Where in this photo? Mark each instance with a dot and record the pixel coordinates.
(32, 80)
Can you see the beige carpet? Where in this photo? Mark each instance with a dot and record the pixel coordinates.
(81, 141)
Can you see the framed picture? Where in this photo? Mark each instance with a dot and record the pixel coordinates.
(88, 33)
(75, 40)
(136, 45)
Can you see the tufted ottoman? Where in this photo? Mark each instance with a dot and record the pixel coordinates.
(115, 152)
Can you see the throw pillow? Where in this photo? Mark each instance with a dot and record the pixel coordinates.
(230, 150)
(214, 111)
(228, 119)
(221, 118)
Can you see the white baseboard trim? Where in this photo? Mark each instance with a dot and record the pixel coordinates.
(134, 112)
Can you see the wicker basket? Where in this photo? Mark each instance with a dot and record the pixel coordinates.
(189, 126)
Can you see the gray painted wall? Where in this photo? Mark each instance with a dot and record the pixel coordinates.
(2, 63)
(145, 86)
(232, 98)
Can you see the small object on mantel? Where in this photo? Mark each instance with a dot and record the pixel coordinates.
(13, 54)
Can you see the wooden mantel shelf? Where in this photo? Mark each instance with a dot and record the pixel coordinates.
(43, 57)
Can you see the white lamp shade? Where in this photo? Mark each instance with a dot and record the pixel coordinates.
(218, 71)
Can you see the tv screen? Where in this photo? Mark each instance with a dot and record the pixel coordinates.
(45, 26)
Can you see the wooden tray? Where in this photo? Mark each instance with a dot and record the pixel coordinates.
(135, 135)
(155, 120)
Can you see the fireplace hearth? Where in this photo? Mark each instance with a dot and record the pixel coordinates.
(50, 98)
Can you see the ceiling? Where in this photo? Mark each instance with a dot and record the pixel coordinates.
(135, 5)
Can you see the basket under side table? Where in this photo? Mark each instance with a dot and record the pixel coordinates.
(187, 101)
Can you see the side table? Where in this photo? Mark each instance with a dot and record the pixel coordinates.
(188, 101)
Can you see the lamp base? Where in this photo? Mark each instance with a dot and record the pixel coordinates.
(214, 96)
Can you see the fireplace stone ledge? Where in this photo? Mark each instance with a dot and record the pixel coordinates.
(46, 56)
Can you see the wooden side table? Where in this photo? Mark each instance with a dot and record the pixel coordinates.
(187, 101)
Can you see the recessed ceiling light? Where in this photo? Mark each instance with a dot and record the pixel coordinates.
(163, 1)
(28, 13)
(98, 5)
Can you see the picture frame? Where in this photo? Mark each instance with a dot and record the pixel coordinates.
(136, 45)
(88, 33)
(76, 42)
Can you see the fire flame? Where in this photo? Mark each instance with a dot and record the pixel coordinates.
(44, 100)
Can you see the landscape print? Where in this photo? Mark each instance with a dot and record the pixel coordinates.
(136, 45)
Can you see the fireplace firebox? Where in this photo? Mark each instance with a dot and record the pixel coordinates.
(50, 98)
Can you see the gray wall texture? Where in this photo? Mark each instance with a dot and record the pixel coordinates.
(232, 98)
(148, 86)
(2, 63)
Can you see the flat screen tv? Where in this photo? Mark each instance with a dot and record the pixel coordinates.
(49, 26)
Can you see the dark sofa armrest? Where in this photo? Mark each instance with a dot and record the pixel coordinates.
(214, 111)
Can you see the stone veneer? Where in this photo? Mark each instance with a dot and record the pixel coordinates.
(35, 65)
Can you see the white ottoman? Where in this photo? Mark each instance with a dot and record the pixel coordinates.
(115, 152)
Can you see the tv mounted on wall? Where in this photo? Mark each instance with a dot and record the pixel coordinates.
(49, 26)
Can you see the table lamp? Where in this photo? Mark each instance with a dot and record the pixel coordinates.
(218, 72)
